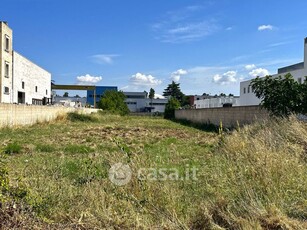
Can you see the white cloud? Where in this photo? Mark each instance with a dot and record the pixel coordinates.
(103, 58)
(225, 78)
(88, 79)
(177, 74)
(188, 32)
(259, 72)
(250, 67)
(185, 25)
(265, 27)
(140, 79)
(159, 96)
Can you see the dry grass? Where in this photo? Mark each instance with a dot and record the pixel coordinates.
(254, 178)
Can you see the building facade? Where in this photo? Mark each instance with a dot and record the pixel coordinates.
(139, 102)
(6, 65)
(217, 102)
(21, 81)
(98, 93)
(298, 71)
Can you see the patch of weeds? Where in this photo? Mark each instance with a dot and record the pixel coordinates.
(203, 127)
(12, 148)
(74, 117)
(72, 148)
(19, 192)
(84, 171)
(45, 148)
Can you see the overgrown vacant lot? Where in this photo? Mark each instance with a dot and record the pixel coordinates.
(252, 178)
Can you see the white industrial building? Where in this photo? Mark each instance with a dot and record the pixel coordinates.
(69, 101)
(217, 102)
(298, 71)
(21, 81)
(139, 102)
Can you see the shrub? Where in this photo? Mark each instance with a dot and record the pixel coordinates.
(170, 107)
(114, 102)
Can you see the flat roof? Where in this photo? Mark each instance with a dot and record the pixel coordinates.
(74, 87)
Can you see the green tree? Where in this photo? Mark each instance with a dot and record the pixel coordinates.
(151, 93)
(114, 102)
(303, 89)
(281, 96)
(65, 94)
(171, 105)
(174, 90)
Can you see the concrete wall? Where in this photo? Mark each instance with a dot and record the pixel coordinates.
(33, 76)
(228, 116)
(17, 115)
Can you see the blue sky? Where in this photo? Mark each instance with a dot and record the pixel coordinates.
(206, 46)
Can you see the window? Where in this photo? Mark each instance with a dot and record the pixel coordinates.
(299, 80)
(23, 85)
(46, 92)
(248, 89)
(36, 89)
(244, 90)
(6, 90)
(7, 69)
(7, 43)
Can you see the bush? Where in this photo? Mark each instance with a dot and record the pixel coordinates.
(170, 107)
(114, 102)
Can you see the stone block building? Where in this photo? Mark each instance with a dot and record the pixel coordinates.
(21, 81)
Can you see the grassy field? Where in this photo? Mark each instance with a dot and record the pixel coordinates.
(251, 178)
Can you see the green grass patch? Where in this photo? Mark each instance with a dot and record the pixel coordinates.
(75, 117)
(75, 148)
(251, 178)
(12, 148)
(45, 148)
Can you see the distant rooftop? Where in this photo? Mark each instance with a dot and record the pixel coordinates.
(291, 68)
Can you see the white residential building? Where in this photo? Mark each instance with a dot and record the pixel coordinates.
(21, 81)
(298, 71)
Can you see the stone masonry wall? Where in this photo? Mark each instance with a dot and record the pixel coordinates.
(18, 115)
(228, 116)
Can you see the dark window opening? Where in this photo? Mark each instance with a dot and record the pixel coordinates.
(7, 43)
(6, 90)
